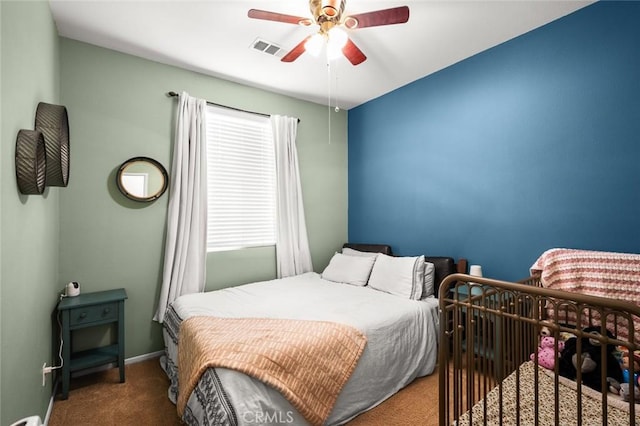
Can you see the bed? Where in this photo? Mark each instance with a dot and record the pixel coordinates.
(491, 371)
(390, 341)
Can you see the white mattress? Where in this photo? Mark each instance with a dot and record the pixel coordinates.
(401, 339)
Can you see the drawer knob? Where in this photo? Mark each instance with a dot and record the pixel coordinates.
(106, 311)
(83, 315)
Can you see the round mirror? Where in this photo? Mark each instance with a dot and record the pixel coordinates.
(142, 179)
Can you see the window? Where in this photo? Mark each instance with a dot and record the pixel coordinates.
(241, 181)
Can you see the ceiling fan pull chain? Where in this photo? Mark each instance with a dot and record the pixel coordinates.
(329, 96)
(337, 109)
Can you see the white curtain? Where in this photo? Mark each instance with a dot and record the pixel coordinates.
(292, 246)
(186, 240)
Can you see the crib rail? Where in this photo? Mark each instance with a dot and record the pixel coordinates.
(490, 329)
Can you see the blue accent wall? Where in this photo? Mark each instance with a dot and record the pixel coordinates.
(530, 145)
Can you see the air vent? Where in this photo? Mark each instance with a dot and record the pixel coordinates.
(267, 47)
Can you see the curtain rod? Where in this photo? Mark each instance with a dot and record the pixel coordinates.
(175, 95)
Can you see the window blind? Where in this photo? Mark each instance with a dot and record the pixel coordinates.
(241, 180)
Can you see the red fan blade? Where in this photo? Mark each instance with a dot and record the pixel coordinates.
(396, 15)
(278, 17)
(295, 52)
(353, 53)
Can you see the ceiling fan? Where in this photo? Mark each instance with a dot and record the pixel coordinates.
(329, 15)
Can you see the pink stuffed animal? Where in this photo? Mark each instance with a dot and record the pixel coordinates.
(546, 352)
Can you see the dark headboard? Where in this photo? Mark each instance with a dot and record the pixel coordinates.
(375, 248)
(444, 265)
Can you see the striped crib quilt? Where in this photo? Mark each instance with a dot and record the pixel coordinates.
(596, 273)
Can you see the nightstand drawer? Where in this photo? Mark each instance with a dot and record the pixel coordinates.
(91, 314)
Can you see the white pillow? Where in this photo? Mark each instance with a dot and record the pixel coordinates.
(354, 270)
(429, 277)
(351, 252)
(402, 276)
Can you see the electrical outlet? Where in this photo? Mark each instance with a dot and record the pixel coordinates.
(45, 370)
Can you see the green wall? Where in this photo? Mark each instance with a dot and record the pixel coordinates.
(88, 232)
(118, 109)
(29, 225)
(1, 181)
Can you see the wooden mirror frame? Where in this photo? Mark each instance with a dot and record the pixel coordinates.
(151, 197)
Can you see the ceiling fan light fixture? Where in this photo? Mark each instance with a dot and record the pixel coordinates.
(313, 45)
(337, 37)
(330, 8)
(329, 11)
(333, 52)
(329, 14)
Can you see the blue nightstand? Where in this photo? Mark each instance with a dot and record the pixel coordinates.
(484, 336)
(90, 310)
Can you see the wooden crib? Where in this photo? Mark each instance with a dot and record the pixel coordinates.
(489, 331)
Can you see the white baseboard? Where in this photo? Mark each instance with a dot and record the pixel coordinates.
(132, 360)
(50, 408)
(144, 357)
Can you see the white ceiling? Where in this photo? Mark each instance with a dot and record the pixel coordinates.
(215, 37)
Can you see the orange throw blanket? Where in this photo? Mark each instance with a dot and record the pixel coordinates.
(309, 362)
